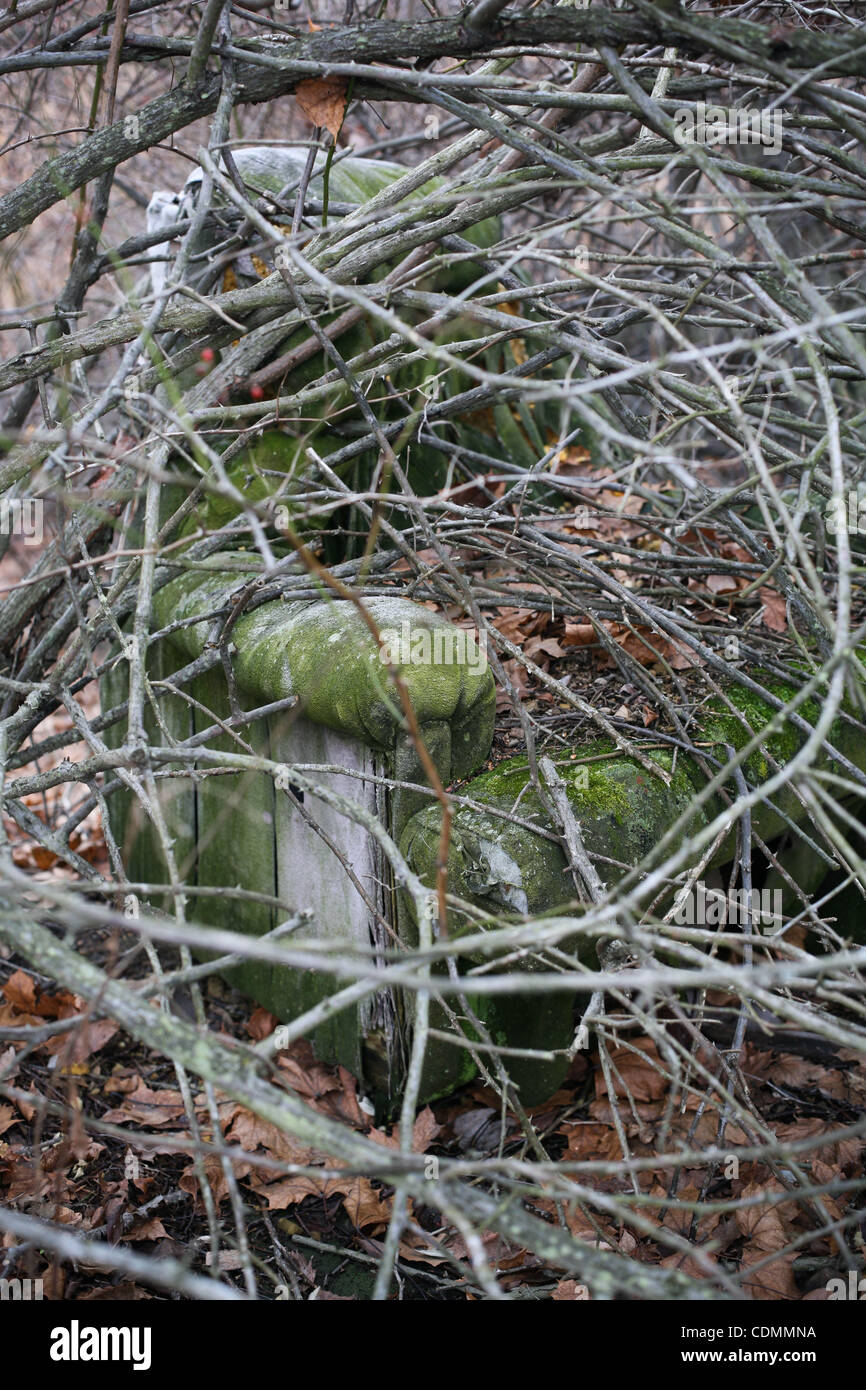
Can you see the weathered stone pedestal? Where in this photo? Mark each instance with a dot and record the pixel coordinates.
(258, 832)
(254, 831)
(500, 866)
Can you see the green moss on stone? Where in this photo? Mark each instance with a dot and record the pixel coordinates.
(326, 655)
(623, 812)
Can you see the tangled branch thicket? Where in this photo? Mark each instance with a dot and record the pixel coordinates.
(689, 314)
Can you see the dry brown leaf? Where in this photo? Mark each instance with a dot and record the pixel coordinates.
(364, 1205)
(578, 634)
(8, 1065)
(147, 1230)
(225, 1259)
(518, 677)
(496, 1247)
(548, 646)
(362, 1202)
(570, 461)
(766, 1234)
(849, 1155)
(287, 1192)
(569, 1291)
(27, 1110)
(823, 1173)
(121, 1084)
(646, 646)
(388, 1141)
(75, 1050)
(60, 1005)
(417, 1250)
(848, 1086)
(217, 1181)
(330, 1090)
(323, 101)
(146, 1107)
(774, 614)
(636, 1070)
(35, 855)
(53, 1282)
(587, 1140)
(251, 1132)
(721, 583)
(687, 1264)
(261, 1024)
(680, 1218)
(20, 990)
(424, 1131)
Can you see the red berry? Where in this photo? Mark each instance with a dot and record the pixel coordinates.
(256, 391)
(207, 354)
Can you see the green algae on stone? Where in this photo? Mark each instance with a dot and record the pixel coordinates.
(623, 812)
(503, 868)
(618, 803)
(325, 654)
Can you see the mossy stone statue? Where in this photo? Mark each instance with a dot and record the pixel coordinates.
(271, 464)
